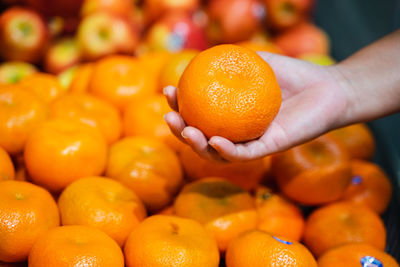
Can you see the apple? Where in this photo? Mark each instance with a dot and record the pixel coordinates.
(23, 35)
(176, 31)
(67, 76)
(303, 38)
(61, 55)
(322, 60)
(233, 21)
(14, 71)
(154, 9)
(119, 7)
(103, 33)
(282, 14)
(50, 8)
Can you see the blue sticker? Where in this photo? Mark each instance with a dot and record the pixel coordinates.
(283, 241)
(356, 180)
(369, 261)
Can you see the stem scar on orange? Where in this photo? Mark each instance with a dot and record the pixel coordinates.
(229, 91)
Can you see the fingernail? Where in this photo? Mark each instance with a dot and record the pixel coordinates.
(165, 90)
(183, 135)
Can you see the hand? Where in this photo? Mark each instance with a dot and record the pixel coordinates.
(313, 102)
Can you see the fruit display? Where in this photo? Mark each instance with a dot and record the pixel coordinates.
(91, 174)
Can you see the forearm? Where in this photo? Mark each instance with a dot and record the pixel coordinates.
(371, 80)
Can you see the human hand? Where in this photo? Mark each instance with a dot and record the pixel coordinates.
(313, 102)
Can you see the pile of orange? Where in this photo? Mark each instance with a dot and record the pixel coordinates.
(107, 184)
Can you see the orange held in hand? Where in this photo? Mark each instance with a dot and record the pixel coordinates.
(229, 91)
(61, 151)
(75, 245)
(260, 249)
(164, 241)
(26, 212)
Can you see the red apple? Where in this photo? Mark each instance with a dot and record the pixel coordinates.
(119, 7)
(23, 35)
(154, 9)
(64, 8)
(283, 14)
(176, 31)
(14, 71)
(61, 55)
(103, 33)
(233, 21)
(303, 38)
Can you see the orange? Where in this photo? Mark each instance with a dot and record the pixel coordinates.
(313, 173)
(261, 46)
(170, 241)
(342, 223)
(369, 186)
(356, 255)
(146, 117)
(358, 140)
(172, 71)
(244, 174)
(91, 111)
(154, 61)
(26, 212)
(7, 171)
(148, 167)
(59, 152)
(76, 245)
(45, 86)
(277, 215)
(167, 211)
(260, 249)
(80, 81)
(225, 209)
(83, 200)
(229, 91)
(120, 79)
(14, 71)
(20, 112)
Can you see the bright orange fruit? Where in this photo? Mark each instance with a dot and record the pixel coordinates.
(229, 91)
(7, 170)
(45, 86)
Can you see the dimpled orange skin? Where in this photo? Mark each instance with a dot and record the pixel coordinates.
(342, 223)
(358, 140)
(163, 241)
(229, 91)
(172, 71)
(91, 111)
(351, 255)
(80, 81)
(120, 79)
(7, 170)
(148, 167)
(45, 86)
(102, 203)
(244, 174)
(75, 245)
(374, 189)
(145, 117)
(260, 249)
(26, 212)
(277, 215)
(313, 173)
(60, 151)
(225, 209)
(20, 112)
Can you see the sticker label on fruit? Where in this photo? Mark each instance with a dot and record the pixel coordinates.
(356, 180)
(369, 261)
(283, 241)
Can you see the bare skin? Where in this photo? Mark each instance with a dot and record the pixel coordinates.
(315, 100)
